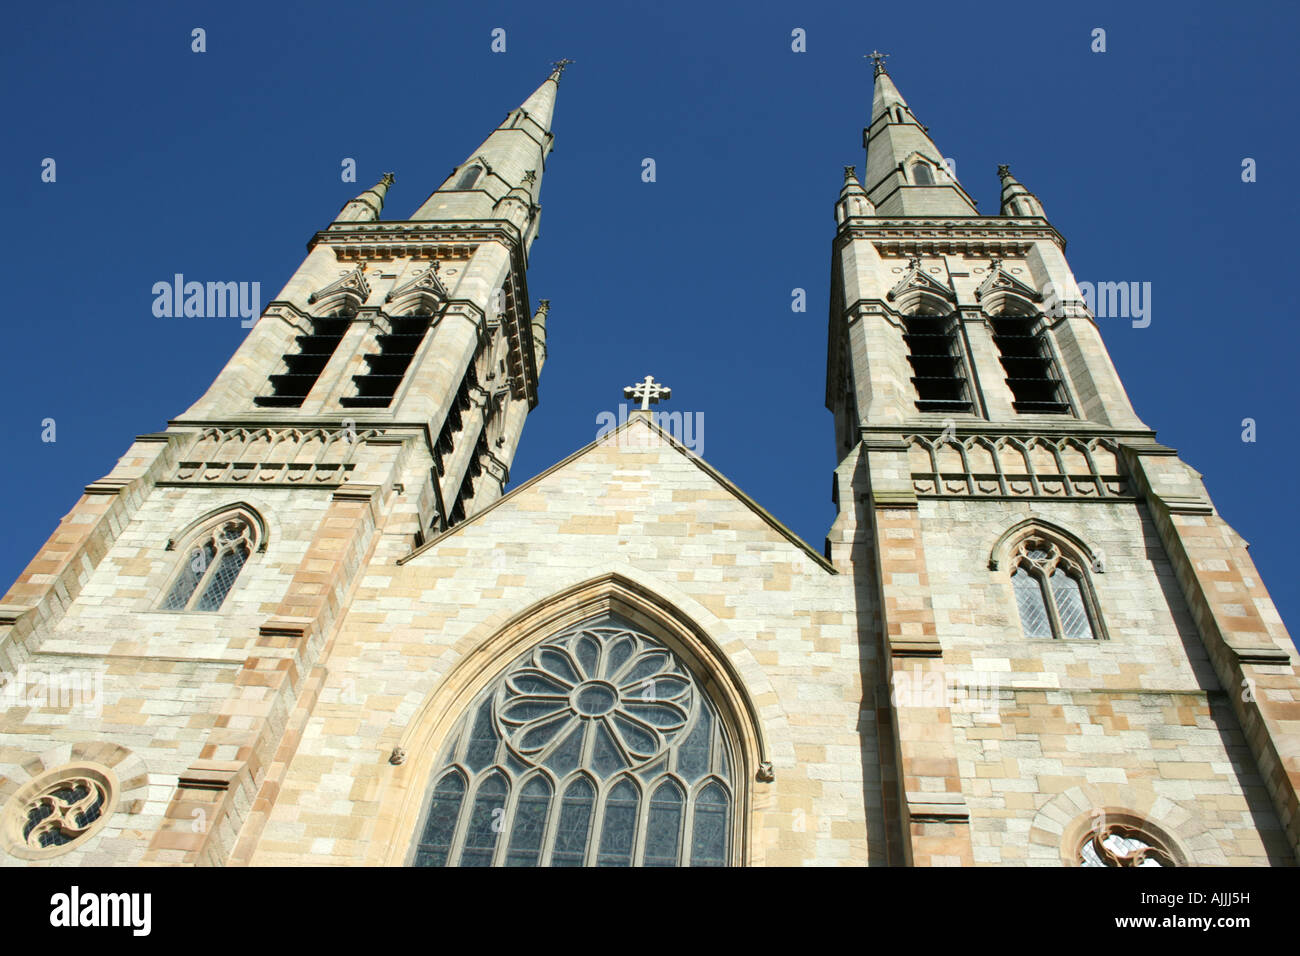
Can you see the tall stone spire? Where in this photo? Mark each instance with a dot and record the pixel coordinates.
(513, 157)
(368, 206)
(905, 173)
(1016, 199)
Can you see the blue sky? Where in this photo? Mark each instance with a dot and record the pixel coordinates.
(222, 165)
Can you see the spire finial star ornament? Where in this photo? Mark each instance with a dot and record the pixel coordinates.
(648, 392)
(878, 59)
(560, 65)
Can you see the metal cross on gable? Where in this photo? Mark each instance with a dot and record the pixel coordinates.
(648, 392)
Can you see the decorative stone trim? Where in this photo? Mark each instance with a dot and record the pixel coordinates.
(1035, 466)
(285, 627)
(937, 808)
(108, 486)
(352, 283)
(901, 647)
(271, 456)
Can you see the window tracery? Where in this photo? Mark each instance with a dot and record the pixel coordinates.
(597, 747)
(1122, 845)
(211, 566)
(1053, 595)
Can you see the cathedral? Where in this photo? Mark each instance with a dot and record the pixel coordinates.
(307, 623)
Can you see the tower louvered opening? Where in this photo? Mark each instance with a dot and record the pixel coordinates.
(937, 363)
(454, 421)
(304, 366)
(387, 367)
(1027, 360)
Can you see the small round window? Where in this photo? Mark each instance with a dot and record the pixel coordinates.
(58, 811)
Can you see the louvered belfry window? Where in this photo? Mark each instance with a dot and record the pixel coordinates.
(938, 365)
(1027, 360)
(387, 367)
(302, 368)
(597, 747)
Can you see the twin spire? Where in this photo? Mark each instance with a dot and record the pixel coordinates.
(510, 161)
(907, 175)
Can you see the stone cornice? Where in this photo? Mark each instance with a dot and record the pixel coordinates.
(953, 235)
(880, 436)
(408, 239)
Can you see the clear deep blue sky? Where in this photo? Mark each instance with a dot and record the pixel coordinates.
(222, 165)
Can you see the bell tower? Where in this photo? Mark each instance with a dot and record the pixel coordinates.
(1049, 587)
(423, 322)
(377, 401)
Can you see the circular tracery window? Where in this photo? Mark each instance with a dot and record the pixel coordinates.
(1120, 845)
(58, 810)
(612, 684)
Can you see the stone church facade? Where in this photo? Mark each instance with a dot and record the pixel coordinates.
(306, 624)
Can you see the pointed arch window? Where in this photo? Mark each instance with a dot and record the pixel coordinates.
(210, 566)
(468, 177)
(598, 747)
(1053, 594)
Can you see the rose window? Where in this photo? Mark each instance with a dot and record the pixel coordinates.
(597, 747)
(609, 684)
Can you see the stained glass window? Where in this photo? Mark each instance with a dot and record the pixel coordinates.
(597, 747)
(63, 812)
(1029, 600)
(1050, 592)
(1123, 846)
(210, 567)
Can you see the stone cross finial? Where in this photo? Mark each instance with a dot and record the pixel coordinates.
(878, 59)
(388, 179)
(648, 392)
(1004, 171)
(850, 173)
(530, 175)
